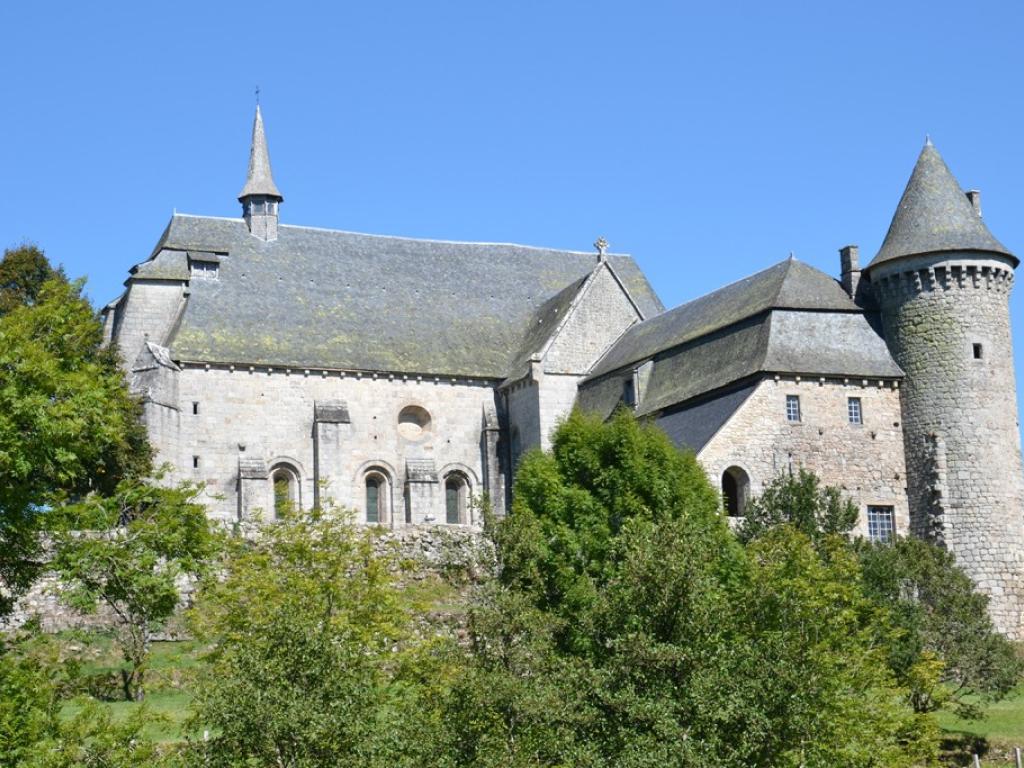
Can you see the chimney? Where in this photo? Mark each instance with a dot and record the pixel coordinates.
(849, 265)
(974, 195)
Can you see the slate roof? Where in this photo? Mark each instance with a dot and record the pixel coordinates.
(323, 298)
(788, 284)
(934, 215)
(790, 319)
(693, 426)
(260, 180)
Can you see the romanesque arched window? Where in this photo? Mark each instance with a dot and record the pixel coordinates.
(285, 481)
(377, 493)
(456, 499)
(735, 491)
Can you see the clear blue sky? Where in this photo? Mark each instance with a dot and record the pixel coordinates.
(708, 140)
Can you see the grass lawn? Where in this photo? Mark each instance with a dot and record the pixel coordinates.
(167, 684)
(1002, 729)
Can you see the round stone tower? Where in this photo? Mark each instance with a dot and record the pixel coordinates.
(942, 283)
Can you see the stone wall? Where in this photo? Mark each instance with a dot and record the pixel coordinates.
(148, 311)
(458, 554)
(865, 460)
(960, 415)
(266, 416)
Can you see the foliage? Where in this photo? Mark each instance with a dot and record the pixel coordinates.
(93, 739)
(128, 552)
(315, 661)
(67, 422)
(631, 629)
(942, 647)
(517, 702)
(29, 702)
(35, 679)
(948, 652)
(802, 502)
(23, 271)
(570, 506)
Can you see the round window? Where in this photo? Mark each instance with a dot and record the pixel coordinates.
(413, 422)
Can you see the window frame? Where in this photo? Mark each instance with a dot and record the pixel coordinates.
(793, 400)
(383, 483)
(881, 520)
(855, 404)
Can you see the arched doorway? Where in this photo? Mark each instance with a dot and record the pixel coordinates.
(735, 491)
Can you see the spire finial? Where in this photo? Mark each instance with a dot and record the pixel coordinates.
(257, 95)
(928, 140)
(602, 248)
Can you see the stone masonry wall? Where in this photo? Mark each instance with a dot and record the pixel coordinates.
(417, 551)
(148, 311)
(960, 415)
(865, 460)
(600, 315)
(268, 415)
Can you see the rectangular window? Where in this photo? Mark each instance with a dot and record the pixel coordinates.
(977, 351)
(195, 462)
(195, 408)
(629, 392)
(853, 410)
(206, 270)
(793, 408)
(451, 492)
(372, 501)
(881, 524)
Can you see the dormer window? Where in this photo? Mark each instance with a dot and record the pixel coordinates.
(204, 270)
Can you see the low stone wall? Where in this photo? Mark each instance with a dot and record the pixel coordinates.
(454, 553)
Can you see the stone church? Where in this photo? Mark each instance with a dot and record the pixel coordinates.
(403, 378)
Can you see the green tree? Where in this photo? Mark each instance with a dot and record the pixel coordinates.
(23, 271)
(94, 739)
(942, 646)
(800, 501)
(67, 422)
(128, 552)
(948, 653)
(315, 660)
(29, 705)
(665, 642)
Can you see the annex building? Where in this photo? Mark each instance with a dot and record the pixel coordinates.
(403, 378)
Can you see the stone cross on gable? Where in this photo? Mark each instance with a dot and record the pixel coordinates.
(602, 248)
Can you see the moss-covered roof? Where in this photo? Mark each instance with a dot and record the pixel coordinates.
(323, 298)
(934, 215)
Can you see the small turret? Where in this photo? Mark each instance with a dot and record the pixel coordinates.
(259, 197)
(942, 283)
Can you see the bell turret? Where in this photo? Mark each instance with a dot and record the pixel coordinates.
(260, 197)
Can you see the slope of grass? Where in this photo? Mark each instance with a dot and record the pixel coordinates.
(168, 680)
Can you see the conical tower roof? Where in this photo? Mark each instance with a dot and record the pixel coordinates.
(260, 180)
(934, 215)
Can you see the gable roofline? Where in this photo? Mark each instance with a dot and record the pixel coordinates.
(402, 238)
(788, 284)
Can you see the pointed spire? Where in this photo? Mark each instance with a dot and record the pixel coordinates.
(935, 215)
(260, 180)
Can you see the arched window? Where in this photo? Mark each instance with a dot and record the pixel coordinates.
(456, 497)
(376, 485)
(286, 490)
(735, 491)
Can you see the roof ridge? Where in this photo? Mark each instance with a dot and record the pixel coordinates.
(179, 214)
